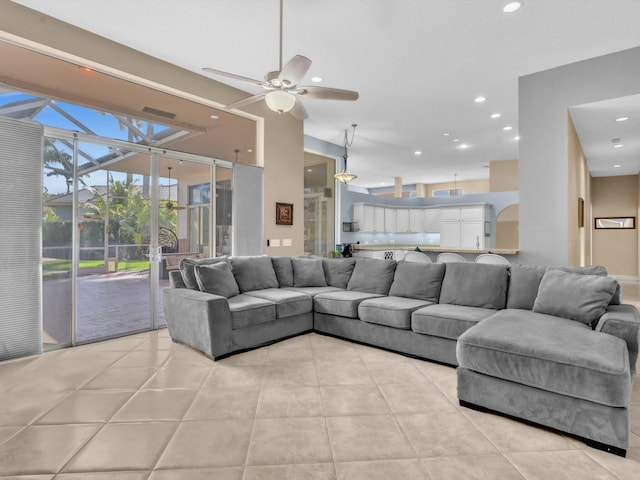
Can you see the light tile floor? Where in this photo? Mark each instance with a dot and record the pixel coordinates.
(308, 408)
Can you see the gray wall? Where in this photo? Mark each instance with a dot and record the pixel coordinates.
(247, 210)
(544, 99)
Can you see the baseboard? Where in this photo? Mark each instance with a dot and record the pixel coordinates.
(625, 278)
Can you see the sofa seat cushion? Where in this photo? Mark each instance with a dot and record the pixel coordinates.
(549, 353)
(288, 303)
(343, 303)
(447, 321)
(313, 291)
(390, 311)
(247, 311)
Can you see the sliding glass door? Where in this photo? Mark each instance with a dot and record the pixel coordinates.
(117, 219)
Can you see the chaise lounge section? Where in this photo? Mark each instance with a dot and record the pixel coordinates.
(551, 346)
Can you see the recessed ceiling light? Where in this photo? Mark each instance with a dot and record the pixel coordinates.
(480, 99)
(495, 115)
(516, 138)
(456, 139)
(507, 128)
(316, 79)
(309, 170)
(463, 146)
(417, 152)
(250, 150)
(617, 165)
(622, 119)
(512, 7)
(446, 134)
(618, 145)
(214, 117)
(382, 183)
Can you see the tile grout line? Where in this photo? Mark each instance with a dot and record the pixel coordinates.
(324, 413)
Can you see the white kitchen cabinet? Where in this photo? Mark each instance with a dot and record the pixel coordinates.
(432, 220)
(450, 235)
(416, 224)
(378, 219)
(370, 218)
(463, 227)
(402, 220)
(450, 214)
(471, 234)
(390, 217)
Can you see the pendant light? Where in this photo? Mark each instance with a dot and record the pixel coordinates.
(345, 176)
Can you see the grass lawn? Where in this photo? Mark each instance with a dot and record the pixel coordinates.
(63, 265)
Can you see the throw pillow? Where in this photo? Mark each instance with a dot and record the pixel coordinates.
(482, 285)
(418, 280)
(372, 275)
(217, 279)
(577, 297)
(597, 270)
(254, 273)
(187, 266)
(284, 270)
(338, 271)
(308, 272)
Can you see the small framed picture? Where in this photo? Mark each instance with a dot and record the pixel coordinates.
(284, 213)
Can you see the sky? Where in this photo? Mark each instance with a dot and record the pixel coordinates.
(90, 121)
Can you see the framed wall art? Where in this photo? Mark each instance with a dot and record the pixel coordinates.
(284, 213)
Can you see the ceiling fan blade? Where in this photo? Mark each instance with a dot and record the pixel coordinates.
(233, 76)
(245, 101)
(295, 70)
(326, 93)
(298, 111)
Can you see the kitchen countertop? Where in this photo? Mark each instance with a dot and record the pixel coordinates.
(431, 248)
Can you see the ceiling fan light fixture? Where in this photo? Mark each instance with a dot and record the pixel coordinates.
(512, 7)
(280, 101)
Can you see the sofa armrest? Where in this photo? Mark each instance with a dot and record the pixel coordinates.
(199, 319)
(623, 321)
(176, 280)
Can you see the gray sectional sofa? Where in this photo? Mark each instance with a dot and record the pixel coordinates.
(553, 346)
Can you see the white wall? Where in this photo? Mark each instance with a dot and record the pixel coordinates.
(544, 98)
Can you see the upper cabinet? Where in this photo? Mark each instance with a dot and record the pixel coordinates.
(387, 219)
(416, 223)
(432, 218)
(402, 220)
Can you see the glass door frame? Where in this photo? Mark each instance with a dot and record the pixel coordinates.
(155, 253)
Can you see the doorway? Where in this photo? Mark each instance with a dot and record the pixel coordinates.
(108, 239)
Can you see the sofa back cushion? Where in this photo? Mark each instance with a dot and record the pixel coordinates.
(187, 266)
(418, 280)
(481, 285)
(524, 282)
(254, 273)
(574, 296)
(308, 272)
(523, 285)
(217, 279)
(372, 275)
(284, 270)
(338, 271)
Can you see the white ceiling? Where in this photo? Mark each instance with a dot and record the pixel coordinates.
(418, 65)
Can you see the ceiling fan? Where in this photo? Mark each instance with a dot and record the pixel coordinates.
(169, 205)
(282, 92)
